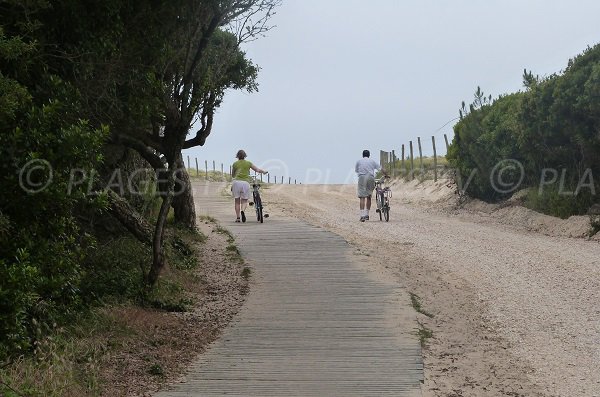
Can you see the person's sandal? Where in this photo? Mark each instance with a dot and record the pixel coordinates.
(243, 217)
(237, 220)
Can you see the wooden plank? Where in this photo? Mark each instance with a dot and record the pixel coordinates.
(314, 324)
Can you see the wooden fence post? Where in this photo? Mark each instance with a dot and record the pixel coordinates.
(434, 160)
(206, 169)
(420, 156)
(446, 139)
(412, 162)
(197, 170)
(268, 178)
(222, 171)
(214, 167)
(393, 163)
(282, 179)
(403, 170)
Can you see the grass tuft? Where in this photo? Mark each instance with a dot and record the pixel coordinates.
(246, 273)
(208, 219)
(156, 370)
(167, 295)
(416, 304)
(424, 334)
(226, 233)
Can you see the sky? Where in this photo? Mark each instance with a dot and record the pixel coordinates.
(340, 76)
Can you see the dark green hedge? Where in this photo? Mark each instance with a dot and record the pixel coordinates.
(554, 125)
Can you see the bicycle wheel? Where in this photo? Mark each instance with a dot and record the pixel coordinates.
(380, 205)
(386, 212)
(258, 207)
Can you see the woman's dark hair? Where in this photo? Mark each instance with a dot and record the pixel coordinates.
(241, 155)
(366, 153)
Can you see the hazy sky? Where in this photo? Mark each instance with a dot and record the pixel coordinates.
(340, 76)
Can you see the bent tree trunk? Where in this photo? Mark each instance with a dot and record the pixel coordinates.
(130, 218)
(183, 199)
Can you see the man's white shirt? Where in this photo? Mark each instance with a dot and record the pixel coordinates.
(366, 166)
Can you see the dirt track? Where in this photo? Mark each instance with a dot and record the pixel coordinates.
(515, 312)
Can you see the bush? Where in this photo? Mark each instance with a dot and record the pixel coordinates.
(42, 246)
(114, 272)
(551, 201)
(553, 124)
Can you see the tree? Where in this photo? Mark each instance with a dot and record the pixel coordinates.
(554, 124)
(198, 65)
(79, 81)
(149, 70)
(41, 140)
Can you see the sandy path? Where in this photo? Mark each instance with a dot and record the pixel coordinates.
(516, 312)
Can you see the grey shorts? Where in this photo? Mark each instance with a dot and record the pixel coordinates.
(366, 184)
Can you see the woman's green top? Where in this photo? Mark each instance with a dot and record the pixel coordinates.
(241, 170)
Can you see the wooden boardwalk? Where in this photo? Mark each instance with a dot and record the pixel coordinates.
(314, 324)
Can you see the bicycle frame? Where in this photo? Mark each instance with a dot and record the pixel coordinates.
(383, 195)
(258, 206)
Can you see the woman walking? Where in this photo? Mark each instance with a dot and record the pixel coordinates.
(241, 183)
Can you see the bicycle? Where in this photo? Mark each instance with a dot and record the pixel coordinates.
(383, 196)
(257, 201)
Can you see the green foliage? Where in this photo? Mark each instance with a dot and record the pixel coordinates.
(167, 295)
(554, 124)
(156, 370)
(42, 246)
(114, 271)
(75, 77)
(415, 300)
(485, 136)
(553, 202)
(66, 363)
(246, 273)
(424, 334)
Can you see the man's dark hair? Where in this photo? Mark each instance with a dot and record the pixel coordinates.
(366, 153)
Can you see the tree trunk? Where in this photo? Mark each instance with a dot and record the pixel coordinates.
(183, 200)
(158, 247)
(128, 216)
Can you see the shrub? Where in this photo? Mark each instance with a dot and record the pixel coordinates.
(42, 246)
(553, 124)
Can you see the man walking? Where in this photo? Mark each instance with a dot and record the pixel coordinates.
(365, 169)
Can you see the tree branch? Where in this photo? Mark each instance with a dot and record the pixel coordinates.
(147, 153)
(202, 133)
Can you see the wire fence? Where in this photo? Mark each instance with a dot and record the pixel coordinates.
(405, 164)
(219, 172)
